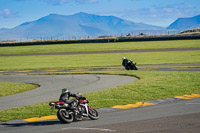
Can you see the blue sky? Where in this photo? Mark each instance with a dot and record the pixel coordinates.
(155, 12)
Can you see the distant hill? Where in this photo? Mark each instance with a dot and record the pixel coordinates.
(80, 25)
(185, 23)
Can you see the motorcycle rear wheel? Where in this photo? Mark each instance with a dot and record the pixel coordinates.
(65, 116)
(93, 114)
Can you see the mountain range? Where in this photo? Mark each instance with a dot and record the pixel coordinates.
(185, 23)
(83, 25)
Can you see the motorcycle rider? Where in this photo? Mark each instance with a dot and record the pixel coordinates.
(125, 61)
(64, 97)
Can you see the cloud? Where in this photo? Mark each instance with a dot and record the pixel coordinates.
(62, 2)
(18, 0)
(156, 15)
(8, 13)
(57, 2)
(176, 11)
(86, 1)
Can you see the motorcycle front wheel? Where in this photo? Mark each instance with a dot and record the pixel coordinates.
(93, 114)
(135, 67)
(65, 116)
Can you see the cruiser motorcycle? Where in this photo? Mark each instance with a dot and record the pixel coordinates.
(67, 115)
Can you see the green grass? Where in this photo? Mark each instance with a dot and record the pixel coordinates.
(94, 60)
(151, 86)
(7, 88)
(174, 67)
(100, 47)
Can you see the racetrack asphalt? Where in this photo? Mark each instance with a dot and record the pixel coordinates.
(180, 116)
(51, 85)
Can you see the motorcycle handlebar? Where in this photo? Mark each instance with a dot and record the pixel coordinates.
(80, 98)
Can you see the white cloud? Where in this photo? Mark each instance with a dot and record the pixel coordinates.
(8, 13)
(155, 15)
(62, 2)
(57, 2)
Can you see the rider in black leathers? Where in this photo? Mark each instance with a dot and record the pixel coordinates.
(125, 61)
(64, 97)
(128, 64)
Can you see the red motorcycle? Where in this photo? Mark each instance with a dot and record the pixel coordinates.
(66, 114)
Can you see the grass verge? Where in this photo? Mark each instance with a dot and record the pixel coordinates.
(7, 88)
(151, 86)
(100, 47)
(94, 60)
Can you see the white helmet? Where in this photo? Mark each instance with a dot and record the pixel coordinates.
(65, 90)
(123, 58)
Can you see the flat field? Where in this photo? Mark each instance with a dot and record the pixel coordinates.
(100, 47)
(151, 86)
(95, 60)
(7, 88)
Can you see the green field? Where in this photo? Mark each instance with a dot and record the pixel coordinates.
(7, 88)
(151, 85)
(100, 47)
(95, 60)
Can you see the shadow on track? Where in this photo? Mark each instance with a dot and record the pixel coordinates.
(21, 123)
(38, 123)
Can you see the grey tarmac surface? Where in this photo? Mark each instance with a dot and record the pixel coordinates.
(188, 123)
(51, 85)
(171, 116)
(181, 116)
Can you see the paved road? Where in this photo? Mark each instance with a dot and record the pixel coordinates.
(51, 85)
(172, 116)
(180, 116)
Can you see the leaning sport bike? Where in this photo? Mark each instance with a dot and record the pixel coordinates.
(130, 66)
(66, 115)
